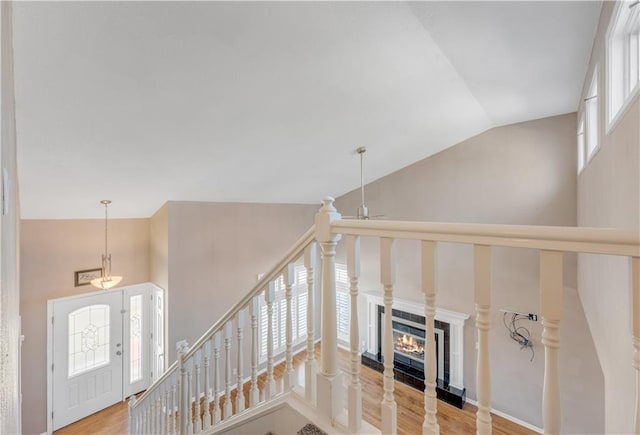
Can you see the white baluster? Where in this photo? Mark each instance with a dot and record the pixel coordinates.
(143, 424)
(289, 375)
(388, 277)
(159, 412)
(161, 428)
(635, 332)
(551, 289)
(147, 418)
(138, 422)
(269, 297)
(152, 412)
(182, 388)
(355, 388)
(216, 378)
(197, 423)
(132, 415)
(189, 396)
(329, 384)
(240, 319)
(310, 371)
(173, 422)
(228, 333)
(430, 425)
(254, 393)
(482, 284)
(167, 415)
(206, 417)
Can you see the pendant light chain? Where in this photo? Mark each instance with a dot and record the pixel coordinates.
(106, 280)
(106, 261)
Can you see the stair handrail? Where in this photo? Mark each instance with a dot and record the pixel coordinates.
(567, 239)
(290, 256)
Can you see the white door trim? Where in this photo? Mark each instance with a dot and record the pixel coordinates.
(149, 285)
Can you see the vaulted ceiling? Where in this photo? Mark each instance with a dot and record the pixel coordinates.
(144, 102)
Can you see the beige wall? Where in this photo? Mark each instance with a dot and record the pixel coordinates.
(51, 250)
(517, 174)
(609, 196)
(159, 247)
(216, 252)
(9, 246)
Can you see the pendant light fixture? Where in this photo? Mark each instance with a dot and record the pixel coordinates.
(363, 211)
(106, 281)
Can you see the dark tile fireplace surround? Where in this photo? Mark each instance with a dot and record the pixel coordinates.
(409, 333)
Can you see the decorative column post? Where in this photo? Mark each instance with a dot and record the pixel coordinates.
(289, 375)
(430, 425)
(182, 387)
(310, 370)
(388, 278)
(551, 288)
(482, 288)
(254, 393)
(355, 388)
(328, 397)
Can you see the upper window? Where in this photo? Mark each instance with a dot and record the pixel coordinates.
(581, 151)
(591, 115)
(623, 56)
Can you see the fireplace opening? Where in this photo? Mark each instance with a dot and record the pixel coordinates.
(408, 331)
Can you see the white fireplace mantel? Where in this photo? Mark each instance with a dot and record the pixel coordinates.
(456, 331)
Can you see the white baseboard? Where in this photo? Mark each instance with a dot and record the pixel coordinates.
(510, 418)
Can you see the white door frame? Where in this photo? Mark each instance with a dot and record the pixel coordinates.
(152, 288)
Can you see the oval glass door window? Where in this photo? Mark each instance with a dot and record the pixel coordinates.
(88, 338)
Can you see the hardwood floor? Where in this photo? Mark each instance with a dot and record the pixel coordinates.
(410, 404)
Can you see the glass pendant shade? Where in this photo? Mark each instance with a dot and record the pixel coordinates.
(106, 282)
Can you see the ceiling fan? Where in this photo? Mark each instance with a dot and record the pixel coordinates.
(363, 210)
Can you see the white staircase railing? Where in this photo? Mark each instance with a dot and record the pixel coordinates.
(170, 404)
(180, 401)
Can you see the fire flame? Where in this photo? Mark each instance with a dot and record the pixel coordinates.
(408, 344)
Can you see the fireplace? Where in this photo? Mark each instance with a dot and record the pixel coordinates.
(409, 347)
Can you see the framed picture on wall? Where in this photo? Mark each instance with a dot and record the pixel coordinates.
(84, 277)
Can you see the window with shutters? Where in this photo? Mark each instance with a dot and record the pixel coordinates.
(342, 301)
(298, 311)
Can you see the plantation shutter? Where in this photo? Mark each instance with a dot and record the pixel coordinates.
(342, 301)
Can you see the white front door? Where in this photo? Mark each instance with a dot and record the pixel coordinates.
(102, 349)
(87, 357)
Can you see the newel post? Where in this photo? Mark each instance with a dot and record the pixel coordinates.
(551, 287)
(183, 402)
(329, 386)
